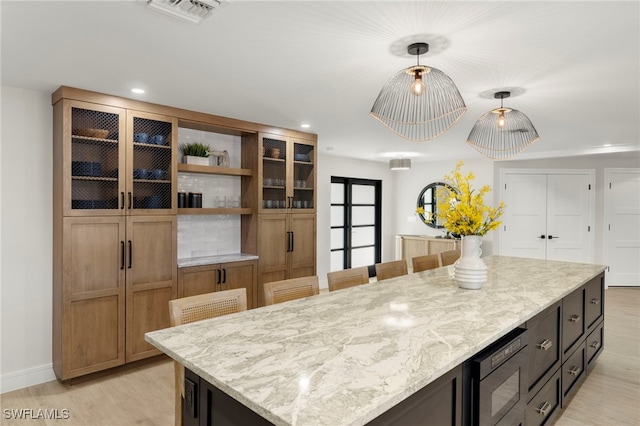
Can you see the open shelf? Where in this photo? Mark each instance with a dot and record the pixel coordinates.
(214, 170)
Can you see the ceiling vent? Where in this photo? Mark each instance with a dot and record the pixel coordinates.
(189, 10)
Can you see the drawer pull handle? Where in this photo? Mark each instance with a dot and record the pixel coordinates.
(574, 318)
(595, 301)
(595, 344)
(546, 345)
(543, 410)
(574, 371)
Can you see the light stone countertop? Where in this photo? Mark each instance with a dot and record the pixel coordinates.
(345, 357)
(211, 260)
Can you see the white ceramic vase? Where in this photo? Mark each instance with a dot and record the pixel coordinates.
(470, 271)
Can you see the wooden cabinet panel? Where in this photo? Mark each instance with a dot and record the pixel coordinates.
(545, 347)
(197, 280)
(151, 279)
(573, 372)
(545, 406)
(241, 275)
(595, 343)
(594, 302)
(302, 254)
(95, 335)
(147, 310)
(573, 322)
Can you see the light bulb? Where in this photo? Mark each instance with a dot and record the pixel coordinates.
(417, 87)
(501, 120)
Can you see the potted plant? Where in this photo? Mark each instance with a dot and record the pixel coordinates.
(195, 153)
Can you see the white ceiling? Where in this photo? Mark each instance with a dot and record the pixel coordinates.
(324, 63)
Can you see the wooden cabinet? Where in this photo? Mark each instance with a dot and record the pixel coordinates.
(545, 347)
(286, 247)
(286, 204)
(114, 263)
(410, 246)
(573, 329)
(545, 406)
(222, 276)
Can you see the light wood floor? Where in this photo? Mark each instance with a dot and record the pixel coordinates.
(144, 395)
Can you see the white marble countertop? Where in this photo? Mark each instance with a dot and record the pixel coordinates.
(345, 357)
(211, 260)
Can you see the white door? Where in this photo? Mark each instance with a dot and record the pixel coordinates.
(548, 215)
(568, 228)
(622, 226)
(524, 222)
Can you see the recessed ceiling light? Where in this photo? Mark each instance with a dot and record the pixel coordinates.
(135, 90)
(305, 126)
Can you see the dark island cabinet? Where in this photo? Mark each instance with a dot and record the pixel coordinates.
(545, 351)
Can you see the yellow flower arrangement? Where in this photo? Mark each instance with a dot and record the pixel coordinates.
(464, 211)
(428, 216)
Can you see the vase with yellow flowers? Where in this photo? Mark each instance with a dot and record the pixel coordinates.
(464, 212)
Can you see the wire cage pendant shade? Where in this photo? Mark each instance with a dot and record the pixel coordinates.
(419, 103)
(502, 132)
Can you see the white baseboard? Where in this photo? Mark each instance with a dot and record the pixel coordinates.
(24, 378)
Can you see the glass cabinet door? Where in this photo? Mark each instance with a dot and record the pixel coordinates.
(274, 174)
(303, 176)
(150, 174)
(94, 159)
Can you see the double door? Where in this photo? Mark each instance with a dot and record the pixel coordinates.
(203, 279)
(548, 215)
(116, 161)
(118, 277)
(286, 247)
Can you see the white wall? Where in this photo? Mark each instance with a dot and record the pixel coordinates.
(26, 238)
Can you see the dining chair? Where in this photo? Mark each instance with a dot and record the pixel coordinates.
(449, 257)
(348, 278)
(195, 308)
(293, 288)
(394, 268)
(428, 261)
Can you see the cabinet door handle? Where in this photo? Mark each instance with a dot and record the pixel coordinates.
(224, 275)
(218, 276)
(130, 199)
(122, 252)
(574, 371)
(551, 237)
(293, 240)
(543, 409)
(595, 301)
(130, 255)
(542, 237)
(574, 318)
(595, 344)
(122, 200)
(545, 345)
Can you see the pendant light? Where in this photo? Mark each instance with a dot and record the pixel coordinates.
(419, 103)
(502, 132)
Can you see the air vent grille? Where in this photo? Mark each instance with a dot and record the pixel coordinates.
(190, 10)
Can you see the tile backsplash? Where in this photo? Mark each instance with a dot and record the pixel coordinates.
(210, 235)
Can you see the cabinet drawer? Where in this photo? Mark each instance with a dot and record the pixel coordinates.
(572, 321)
(595, 343)
(573, 372)
(544, 347)
(545, 406)
(594, 302)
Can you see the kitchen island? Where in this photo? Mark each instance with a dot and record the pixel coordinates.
(344, 358)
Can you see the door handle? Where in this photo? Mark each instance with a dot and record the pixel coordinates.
(542, 237)
(224, 275)
(546, 345)
(130, 255)
(543, 409)
(288, 241)
(595, 301)
(574, 371)
(551, 237)
(122, 250)
(595, 344)
(122, 200)
(130, 199)
(574, 318)
(293, 240)
(218, 276)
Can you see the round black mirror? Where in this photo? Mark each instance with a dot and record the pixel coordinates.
(428, 200)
